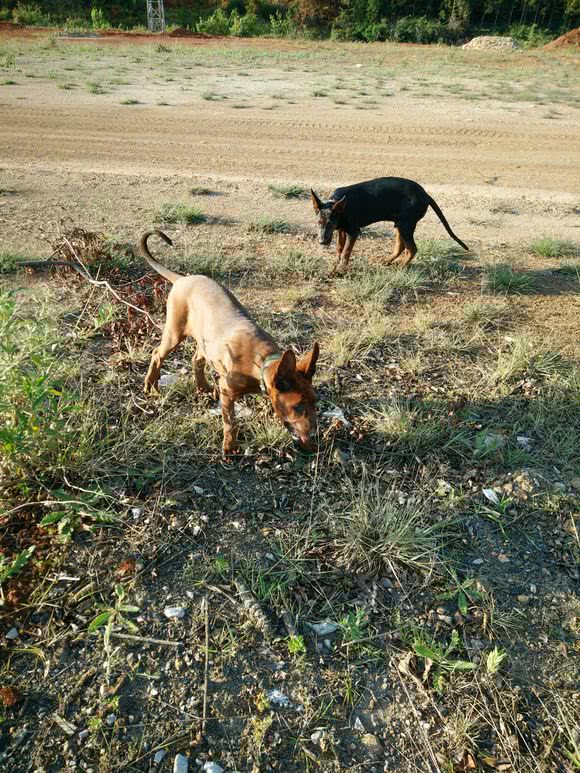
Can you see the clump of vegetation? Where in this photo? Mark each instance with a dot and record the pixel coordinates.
(267, 225)
(129, 101)
(374, 532)
(200, 190)
(383, 286)
(488, 314)
(549, 247)
(180, 213)
(503, 278)
(288, 191)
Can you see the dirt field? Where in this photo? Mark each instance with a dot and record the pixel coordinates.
(434, 531)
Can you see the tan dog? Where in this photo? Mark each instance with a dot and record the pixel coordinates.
(244, 355)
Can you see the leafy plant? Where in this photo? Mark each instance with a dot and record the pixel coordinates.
(438, 656)
(494, 660)
(109, 618)
(10, 568)
(296, 645)
(76, 513)
(353, 626)
(464, 591)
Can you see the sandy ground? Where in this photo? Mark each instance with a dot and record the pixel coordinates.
(502, 171)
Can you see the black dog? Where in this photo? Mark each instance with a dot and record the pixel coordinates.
(349, 209)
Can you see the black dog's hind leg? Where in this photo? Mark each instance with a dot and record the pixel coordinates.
(397, 249)
(407, 230)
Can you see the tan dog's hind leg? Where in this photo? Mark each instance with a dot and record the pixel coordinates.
(170, 340)
(228, 417)
(397, 249)
(199, 373)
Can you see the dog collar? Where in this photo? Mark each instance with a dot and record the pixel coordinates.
(268, 361)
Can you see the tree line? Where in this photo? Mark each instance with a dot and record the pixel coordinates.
(421, 21)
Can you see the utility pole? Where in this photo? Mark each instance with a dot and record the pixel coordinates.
(155, 16)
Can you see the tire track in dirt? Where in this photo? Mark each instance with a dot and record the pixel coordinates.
(214, 142)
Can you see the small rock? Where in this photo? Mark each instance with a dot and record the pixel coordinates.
(522, 599)
(358, 725)
(84, 734)
(278, 698)
(110, 720)
(174, 612)
(159, 756)
(372, 744)
(197, 490)
(503, 558)
(324, 628)
(180, 764)
(575, 483)
(167, 379)
(490, 494)
(477, 561)
(212, 767)
(524, 442)
(12, 634)
(136, 512)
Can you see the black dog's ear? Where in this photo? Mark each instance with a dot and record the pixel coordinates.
(316, 203)
(339, 206)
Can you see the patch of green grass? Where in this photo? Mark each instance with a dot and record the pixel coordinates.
(296, 262)
(373, 532)
(488, 314)
(200, 190)
(268, 225)
(357, 340)
(524, 357)
(93, 87)
(318, 93)
(502, 278)
(180, 213)
(549, 247)
(288, 191)
(570, 270)
(129, 101)
(211, 96)
(67, 86)
(9, 83)
(383, 286)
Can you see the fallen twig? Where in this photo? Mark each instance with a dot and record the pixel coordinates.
(147, 640)
(205, 603)
(97, 282)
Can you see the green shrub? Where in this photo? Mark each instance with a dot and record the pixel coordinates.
(180, 213)
(35, 409)
(549, 247)
(417, 29)
(5, 14)
(247, 26)
(282, 25)
(30, 15)
(99, 20)
(218, 23)
(530, 35)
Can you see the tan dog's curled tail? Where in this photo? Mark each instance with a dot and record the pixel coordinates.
(171, 276)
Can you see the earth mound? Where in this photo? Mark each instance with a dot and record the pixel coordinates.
(571, 38)
(493, 41)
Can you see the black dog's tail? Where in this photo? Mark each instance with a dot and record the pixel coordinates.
(446, 225)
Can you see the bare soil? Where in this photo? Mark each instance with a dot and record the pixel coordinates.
(494, 138)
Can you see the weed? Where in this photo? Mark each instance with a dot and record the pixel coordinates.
(180, 213)
(296, 262)
(383, 286)
(524, 357)
(129, 101)
(494, 660)
(439, 656)
(357, 341)
(288, 191)
(200, 190)
(10, 568)
(375, 532)
(93, 87)
(488, 314)
(69, 514)
(9, 83)
(549, 247)
(502, 278)
(353, 626)
(318, 93)
(296, 645)
(268, 225)
(211, 96)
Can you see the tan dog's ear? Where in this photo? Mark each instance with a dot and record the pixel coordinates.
(316, 203)
(285, 372)
(307, 364)
(340, 205)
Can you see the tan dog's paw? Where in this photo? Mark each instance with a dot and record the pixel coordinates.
(229, 453)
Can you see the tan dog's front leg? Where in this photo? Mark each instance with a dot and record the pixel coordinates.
(170, 340)
(229, 420)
